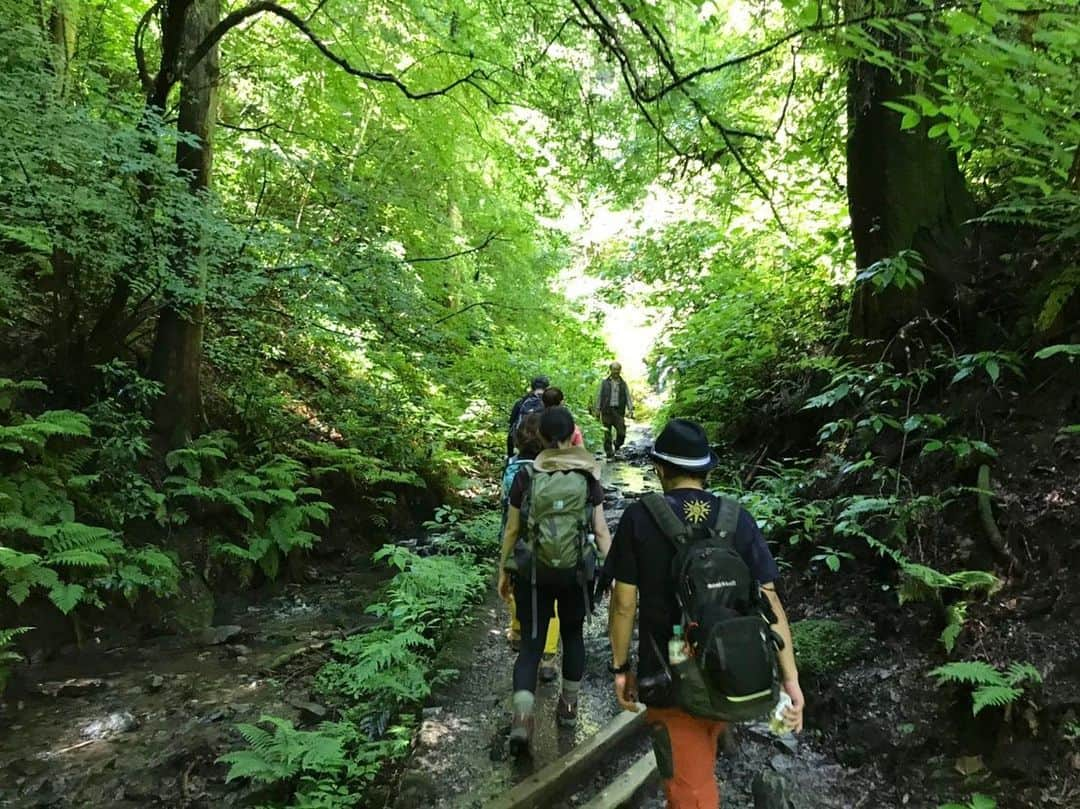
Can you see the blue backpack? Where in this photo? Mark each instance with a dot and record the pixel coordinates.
(513, 466)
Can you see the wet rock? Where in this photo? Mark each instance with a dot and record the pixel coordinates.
(1022, 759)
(770, 791)
(866, 740)
(781, 763)
(111, 725)
(75, 687)
(311, 711)
(217, 635)
(417, 790)
(155, 683)
(239, 650)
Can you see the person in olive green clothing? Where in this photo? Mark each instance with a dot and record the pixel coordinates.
(613, 403)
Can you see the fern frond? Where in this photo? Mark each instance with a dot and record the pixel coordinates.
(993, 696)
(77, 558)
(971, 672)
(1019, 673)
(66, 596)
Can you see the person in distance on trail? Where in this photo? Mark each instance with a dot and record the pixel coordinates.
(529, 445)
(553, 397)
(531, 402)
(613, 403)
(555, 533)
(727, 666)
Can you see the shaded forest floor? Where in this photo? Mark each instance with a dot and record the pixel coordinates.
(139, 723)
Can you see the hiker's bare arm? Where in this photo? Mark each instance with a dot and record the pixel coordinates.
(600, 528)
(783, 629)
(510, 535)
(621, 616)
(788, 671)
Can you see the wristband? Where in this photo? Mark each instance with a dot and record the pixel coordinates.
(623, 669)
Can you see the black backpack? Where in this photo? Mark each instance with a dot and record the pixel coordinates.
(732, 671)
(529, 405)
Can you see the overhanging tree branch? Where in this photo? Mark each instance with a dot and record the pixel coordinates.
(487, 241)
(239, 16)
(769, 47)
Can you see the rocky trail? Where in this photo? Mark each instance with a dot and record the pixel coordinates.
(461, 759)
(139, 722)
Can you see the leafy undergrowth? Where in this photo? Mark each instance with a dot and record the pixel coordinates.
(377, 679)
(970, 686)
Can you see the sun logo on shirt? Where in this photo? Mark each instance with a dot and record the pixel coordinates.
(696, 511)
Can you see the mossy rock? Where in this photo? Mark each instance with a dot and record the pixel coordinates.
(190, 609)
(824, 646)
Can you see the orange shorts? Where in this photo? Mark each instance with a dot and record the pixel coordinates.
(685, 749)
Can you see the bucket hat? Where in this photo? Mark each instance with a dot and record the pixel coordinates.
(684, 445)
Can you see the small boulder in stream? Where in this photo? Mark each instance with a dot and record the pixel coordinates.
(189, 611)
(770, 791)
(217, 635)
(110, 725)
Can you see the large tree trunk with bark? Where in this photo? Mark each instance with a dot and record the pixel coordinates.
(177, 354)
(905, 191)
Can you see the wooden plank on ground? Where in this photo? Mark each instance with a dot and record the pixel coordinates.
(539, 789)
(623, 789)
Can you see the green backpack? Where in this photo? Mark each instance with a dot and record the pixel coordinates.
(555, 546)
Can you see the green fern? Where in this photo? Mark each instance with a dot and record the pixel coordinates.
(285, 752)
(991, 687)
(33, 432)
(10, 390)
(968, 672)
(7, 656)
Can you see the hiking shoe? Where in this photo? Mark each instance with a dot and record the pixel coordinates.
(521, 729)
(565, 712)
(548, 670)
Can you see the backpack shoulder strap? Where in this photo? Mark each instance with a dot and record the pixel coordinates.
(727, 517)
(666, 520)
(526, 496)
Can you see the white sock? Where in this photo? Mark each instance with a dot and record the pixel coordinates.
(524, 702)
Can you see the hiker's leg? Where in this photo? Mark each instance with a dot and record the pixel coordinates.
(572, 610)
(605, 419)
(620, 430)
(685, 748)
(551, 644)
(532, 642)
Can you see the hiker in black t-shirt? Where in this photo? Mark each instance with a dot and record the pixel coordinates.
(641, 561)
(535, 595)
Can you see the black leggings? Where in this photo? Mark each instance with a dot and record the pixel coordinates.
(572, 609)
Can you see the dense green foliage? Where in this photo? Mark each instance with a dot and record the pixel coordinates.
(286, 282)
(373, 299)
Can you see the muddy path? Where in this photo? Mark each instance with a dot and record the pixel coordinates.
(140, 724)
(461, 760)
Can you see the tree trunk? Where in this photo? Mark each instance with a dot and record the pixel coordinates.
(62, 28)
(905, 191)
(177, 354)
